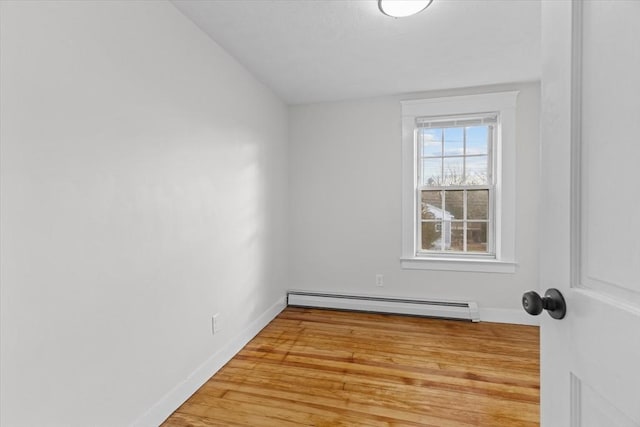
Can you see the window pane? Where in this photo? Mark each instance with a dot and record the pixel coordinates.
(478, 204)
(476, 236)
(454, 204)
(477, 170)
(432, 171)
(431, 236)
(453, 167)
(431, 205)
(477, 137)
(454, 236)
(431, 142)
(453, 141)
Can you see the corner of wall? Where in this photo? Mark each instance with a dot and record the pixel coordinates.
(181, 392)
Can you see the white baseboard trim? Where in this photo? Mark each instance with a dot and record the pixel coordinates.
(508, 315)
(159, 412)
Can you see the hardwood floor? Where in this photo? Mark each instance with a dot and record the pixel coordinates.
(313, 367)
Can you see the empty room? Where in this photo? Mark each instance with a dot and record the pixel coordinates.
(319, 213)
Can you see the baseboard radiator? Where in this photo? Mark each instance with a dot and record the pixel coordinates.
(428, 308)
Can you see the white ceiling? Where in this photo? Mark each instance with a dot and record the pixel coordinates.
(326, 50)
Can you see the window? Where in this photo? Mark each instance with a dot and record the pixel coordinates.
(455, 184)
(459, 192)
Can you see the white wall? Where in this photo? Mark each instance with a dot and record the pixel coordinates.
(345, 184)
(144, 188)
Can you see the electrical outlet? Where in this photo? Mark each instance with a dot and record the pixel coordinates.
(379, 280)
(216, 325)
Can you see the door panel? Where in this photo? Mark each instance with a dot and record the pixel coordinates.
(610, 132)
(605, 353)
(591, 409)
(590, 247)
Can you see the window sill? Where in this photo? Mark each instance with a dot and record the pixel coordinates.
(459, 264)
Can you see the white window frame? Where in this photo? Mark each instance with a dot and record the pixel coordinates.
(504, 168)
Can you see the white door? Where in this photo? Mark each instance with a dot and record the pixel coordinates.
(590, 212)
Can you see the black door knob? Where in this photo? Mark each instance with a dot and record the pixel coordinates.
(553, 302)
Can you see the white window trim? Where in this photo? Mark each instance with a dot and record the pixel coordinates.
(504, 103)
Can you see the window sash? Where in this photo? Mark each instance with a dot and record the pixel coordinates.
(418, 141)
(490, 221)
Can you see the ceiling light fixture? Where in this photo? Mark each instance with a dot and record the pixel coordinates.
(402, 8)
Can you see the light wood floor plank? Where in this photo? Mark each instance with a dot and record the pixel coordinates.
(312, 367)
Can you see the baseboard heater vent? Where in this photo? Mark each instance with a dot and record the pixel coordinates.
(414, 307)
